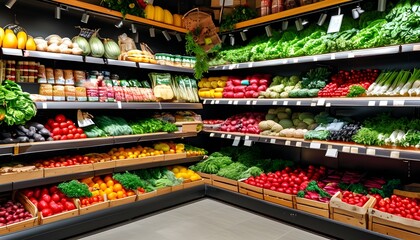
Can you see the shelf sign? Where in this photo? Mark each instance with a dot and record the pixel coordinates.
(248, 143)
(321, 102)
(222, 136)
(314, 145)
(236, 141)
(273, 141)
(274, 102)
(416, 48)
(248, 102)
(212, 102)
(398, 103)
(254, 102)
(370, 151)
(285, 103)
(394, 154)
(371, 103)
(217, 101)
(44, 105)
(335, 23)
(354, 150)
(228, 136)
(346, 149)
(383, 103)
(205, 101)
(235, 102)
(331, 152)
(298, 144)
(119, 105)
(230, 102)
(211, 134)
(287, 143)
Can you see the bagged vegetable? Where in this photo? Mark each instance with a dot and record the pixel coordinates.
(162, 86)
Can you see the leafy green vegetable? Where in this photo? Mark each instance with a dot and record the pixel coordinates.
(356, 91)
(74, 189)
(356, 188)
(128, 180)
(387, 189)
(239, 14)
(233, 171)
(252, 171)
(313, 187)
(202, 60)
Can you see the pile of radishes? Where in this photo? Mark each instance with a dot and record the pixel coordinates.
(249, 87)
(13, 212)
(244, 123)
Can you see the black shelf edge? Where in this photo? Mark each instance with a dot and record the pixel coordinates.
(320, 102)
(7, 149)
(181, 106)
(158, 164)
(85, 223)
(113, 62)
(53, 56)
(341, 147)
(145, 105)
(315, 223)
(149, 66)
(116, 105)
(50, 180)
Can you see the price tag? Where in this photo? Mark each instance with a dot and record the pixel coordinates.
(287, 143)
(26, 54)
(350, 55)
(298, 144)
(228, 136)
(254, 102)
(231, 67)
(230, 102)
(398, 102)
(248, 143)
(335, 23)
(371, 103)
(416, 48)
(248, 102)
(222, 136)
(298, 103)
(315, 59)
(205, 101)
(370, 151)
(250, 65)
(321, 102)
(331, 152)
(346, 149)
(313, 104)
(328, 104)
(236, 141)
(284, 61)
(235, 102)
(211, 134)
(273, 141)
(285, 103)
(354, 150)
(274, 102)
(296, 60)
(119, 105)
(314, 145)
(383, 103)
(212, 102)
(394, 154)
(217, 101)
(246, 137)
(332, 56)
(44, 105)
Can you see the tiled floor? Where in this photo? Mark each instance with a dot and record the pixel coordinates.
(204, 219)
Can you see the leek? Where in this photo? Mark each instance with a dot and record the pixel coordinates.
(411, 83)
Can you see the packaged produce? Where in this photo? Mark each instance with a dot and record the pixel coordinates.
(162, 86)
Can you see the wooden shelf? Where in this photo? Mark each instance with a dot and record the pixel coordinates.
(290, 13)
(95, 8)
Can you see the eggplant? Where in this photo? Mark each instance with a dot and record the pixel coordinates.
(38, 137)
(38, 126)
(20, 133)
(8, 140)
(44, 132)
(22, 139)
(30, 134)
(32, 128)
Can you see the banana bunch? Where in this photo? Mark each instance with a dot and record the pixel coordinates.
(137, 56)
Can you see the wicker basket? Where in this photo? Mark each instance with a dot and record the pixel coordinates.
(203, 29)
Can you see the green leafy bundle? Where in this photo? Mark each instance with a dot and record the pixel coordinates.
(202, 60)
(74, 189)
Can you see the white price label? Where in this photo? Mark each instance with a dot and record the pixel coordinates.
(298, 144)
(272, 141)
(231, 67)
(298, 103)
(416, 48)
(287, 143)
(205, 101)
(315, 59)
(230, 102)
(119, 105)
(332, 56)
(248, 102)
(321, 102)
(354, 150)
(371, 103)
(246, 137)
(236, 141)
(398, 102)
(235, 102)
(44, 105)
(346, 149)
(274, 102)
(254, 102)
(394, 154)
(211, 134)
(285, 103)
(250, 65)
(212, 102)
(335, 23)
(331, 152)
(328, 104)
(228, 136)
(383, 103)
(313, 104)
(296, 60)
(350, 55)
(217, 101)
(284, 61)
(371, 151)
(222, 136)
(314, 145)
(248, 143)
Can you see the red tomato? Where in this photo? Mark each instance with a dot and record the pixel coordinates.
(42, 205)
(64, 131)
(55, 198)
(70, 136)
(50, 122)
(57, 131)
(83, 135)
(69, 206)
(46, 212)
(70, 123)
(63, 125)
(55, 125)
(64, 137)
(79, 130)
(60, 118)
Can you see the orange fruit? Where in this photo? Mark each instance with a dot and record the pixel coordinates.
(110, 183)
(108, 191)
(95, 193)
(99, 181)
(107, 178)
(103, 186)
(130, 193)
(95, 179)
(120, 194)
(112, 196)
(117, 187)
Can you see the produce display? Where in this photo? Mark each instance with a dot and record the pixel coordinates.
(185, 173)
(194, 151)
(244, 123)
(62, 128)
(399, 206)
(354, 198)
(281, 86)
(212, 87)
(152, 125)
(156, 178)
(249, 87)
(162, 15)
(63, 161)
(31, 132)
(106, 187)
(396, 83)
(49, 200)
(13, 212)
(14, 36)
(374, 29)
(174, 88)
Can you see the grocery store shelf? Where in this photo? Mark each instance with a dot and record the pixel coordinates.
(105, 11)
(315, 223)
(315, 58)
(74, 226)
(414, 47)
(11, 52)
(52, 56)
(116, 105)
(320, 102)
(113, 62)
(164, 68)
(290, 13)
(332, 148)
(6, 149)
(159, 164)
(35, 147)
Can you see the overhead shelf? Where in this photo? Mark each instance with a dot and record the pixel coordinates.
(117, 105)
(321, 102)
(102, 10)
(332, 148)
(290, 13)
(35, 147)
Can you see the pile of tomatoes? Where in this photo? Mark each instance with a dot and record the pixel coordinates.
(87, 201)
(400, 206)
(62, 128)
(63, 161)
(354, 198)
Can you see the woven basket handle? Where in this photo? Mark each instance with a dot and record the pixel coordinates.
(192, 10)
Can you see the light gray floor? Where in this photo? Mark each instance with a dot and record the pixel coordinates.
(202, 220)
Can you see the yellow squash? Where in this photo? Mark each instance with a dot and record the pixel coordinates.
(177, 20)
(168, 19)
(30, 44)
(22, 38)
(10, 40)
(150, 12)
(159, 14)
(1, 35)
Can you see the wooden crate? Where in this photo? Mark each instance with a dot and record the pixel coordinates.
(58, 217)
(225, 183)
(91, 208)
(173, 156)
(122, 201)
(177, 187)
(133, 161)
(189, 184)
(58, 171)
(21, 176)
(206, 177)
(312, 206)
(350, 214)
(104, 165)
(250, 190)
(164, 190)
(142, 196)
(283, 199)
(26, 223)
(187, 127)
